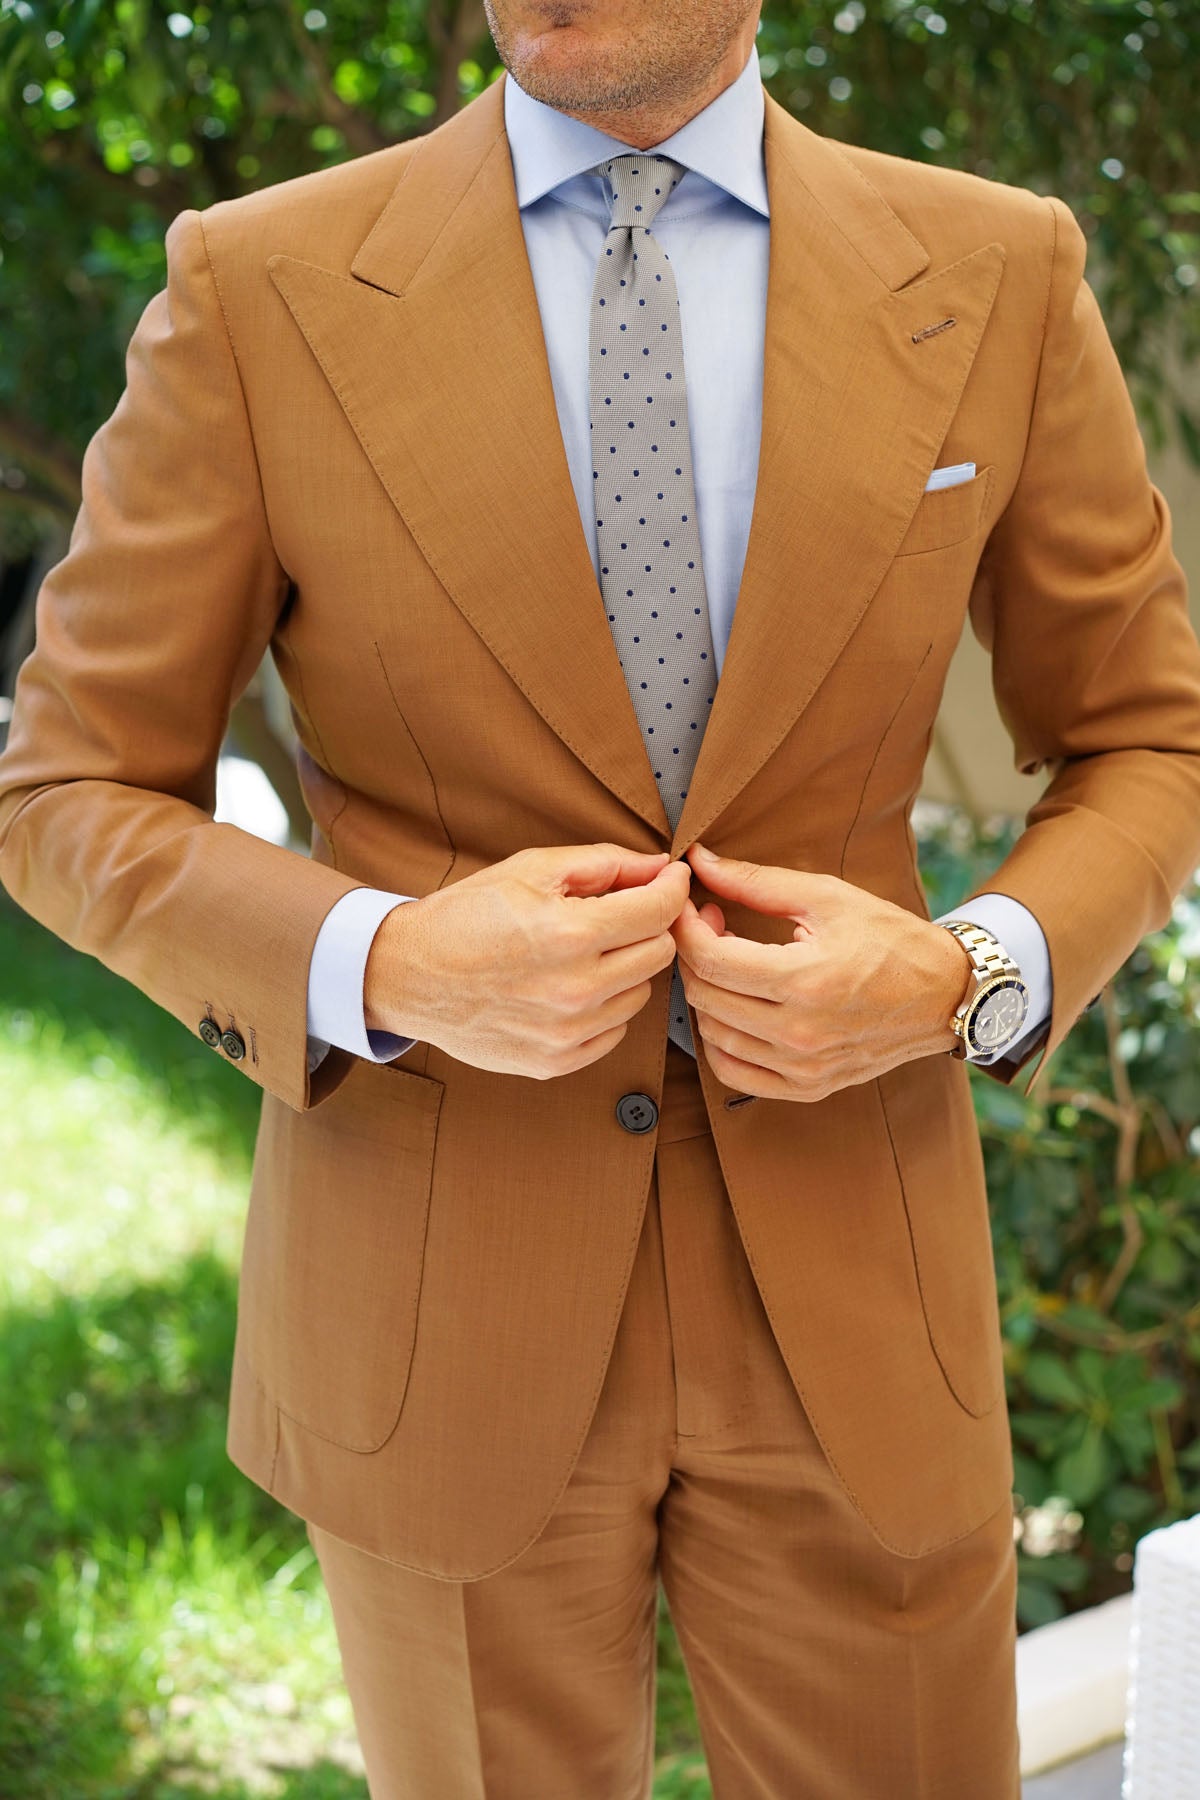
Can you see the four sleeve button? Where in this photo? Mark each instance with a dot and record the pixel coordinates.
(635, 1112)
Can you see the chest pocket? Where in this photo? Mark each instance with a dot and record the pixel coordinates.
(948, 516)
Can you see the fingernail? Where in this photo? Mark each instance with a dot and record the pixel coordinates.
(703, 852)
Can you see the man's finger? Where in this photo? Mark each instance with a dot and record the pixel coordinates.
(626, 966)
(753, 1013)
(755, 1052)
(627, 915)
(785, 893)
(730, 961)
(590, 869)
(746, 1077)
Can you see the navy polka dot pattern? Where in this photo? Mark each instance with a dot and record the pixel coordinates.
(652, 578)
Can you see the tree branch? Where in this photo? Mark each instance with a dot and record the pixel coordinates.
(1083, 1100)
(27, 503)
(1174, 1331)
(360, 132)
(66, 150)
(52, 463)
(453, 39)
(1128, 1132)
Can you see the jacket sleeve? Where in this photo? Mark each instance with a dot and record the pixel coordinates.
(148, 630)
(1095, 665)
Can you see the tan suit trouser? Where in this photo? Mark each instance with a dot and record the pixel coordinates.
(824, 1667)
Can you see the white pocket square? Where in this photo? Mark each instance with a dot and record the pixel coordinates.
(953, 475)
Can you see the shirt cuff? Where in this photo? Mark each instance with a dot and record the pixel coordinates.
(336, 976)
(1014, 926)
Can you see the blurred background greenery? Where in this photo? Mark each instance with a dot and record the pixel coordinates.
(162, 1627)
(115, 114)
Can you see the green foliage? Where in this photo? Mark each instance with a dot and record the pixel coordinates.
(1091, 101)
(117, 114)
(156, 1610)
(1096, 1230)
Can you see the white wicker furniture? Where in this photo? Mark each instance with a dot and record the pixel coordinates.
(1162, 1744)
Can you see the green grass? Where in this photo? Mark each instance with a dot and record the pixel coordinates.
(164, 1632)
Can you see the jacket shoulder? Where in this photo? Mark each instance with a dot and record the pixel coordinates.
(320, 217)
(952, 211)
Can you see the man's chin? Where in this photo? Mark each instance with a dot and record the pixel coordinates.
(571, 71)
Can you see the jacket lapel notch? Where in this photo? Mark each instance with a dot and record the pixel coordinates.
(422, 221)
(836, 188)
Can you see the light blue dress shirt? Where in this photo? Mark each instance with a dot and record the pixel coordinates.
(715, 227)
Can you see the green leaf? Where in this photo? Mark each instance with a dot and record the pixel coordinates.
(1132, 1504)
(1021, 1327)
(1048, 1378)
(1084, 1318)
(1002, 1108)
(1133, 1435)
(1037, 1603)
(1096, 1373)
(1189, 430)
(1029, 1479)
(81, 21)
(1038, 1429)
(1161, 1393)
(1081, 1473)
(1164, 1263)
(1064, 1571)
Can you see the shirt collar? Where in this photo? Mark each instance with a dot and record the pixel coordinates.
(724, 143)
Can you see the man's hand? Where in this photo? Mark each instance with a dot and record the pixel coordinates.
(863, 985)
(533, 966)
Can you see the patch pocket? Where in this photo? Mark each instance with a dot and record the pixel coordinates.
(948, 516)
(935, 1143)
(335, 1250)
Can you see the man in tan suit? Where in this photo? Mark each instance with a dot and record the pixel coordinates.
(550, 1291)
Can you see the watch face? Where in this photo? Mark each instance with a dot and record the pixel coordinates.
(998, 1016)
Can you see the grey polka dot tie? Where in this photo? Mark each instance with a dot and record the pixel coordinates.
(651, 575)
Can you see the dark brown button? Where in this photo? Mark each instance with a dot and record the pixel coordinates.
(233, 1045)
(210, 1031)
(637, 1112)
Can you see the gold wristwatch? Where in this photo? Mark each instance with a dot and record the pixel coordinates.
(993, 1014)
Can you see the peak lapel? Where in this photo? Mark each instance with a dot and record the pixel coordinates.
(436, 354)
(854, 413)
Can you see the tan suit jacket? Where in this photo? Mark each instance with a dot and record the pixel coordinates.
(339, 440)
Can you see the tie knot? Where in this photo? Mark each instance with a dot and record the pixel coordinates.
(639, 186)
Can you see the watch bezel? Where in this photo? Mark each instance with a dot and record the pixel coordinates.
(983, 992)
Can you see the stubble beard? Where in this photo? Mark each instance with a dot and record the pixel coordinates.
(660, 67)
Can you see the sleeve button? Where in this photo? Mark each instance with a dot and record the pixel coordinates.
(233, 1045)
(210, 1032)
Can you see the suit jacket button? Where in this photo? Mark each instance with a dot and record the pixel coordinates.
(637, 1112)
(233, 1045)
(210, 1031)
